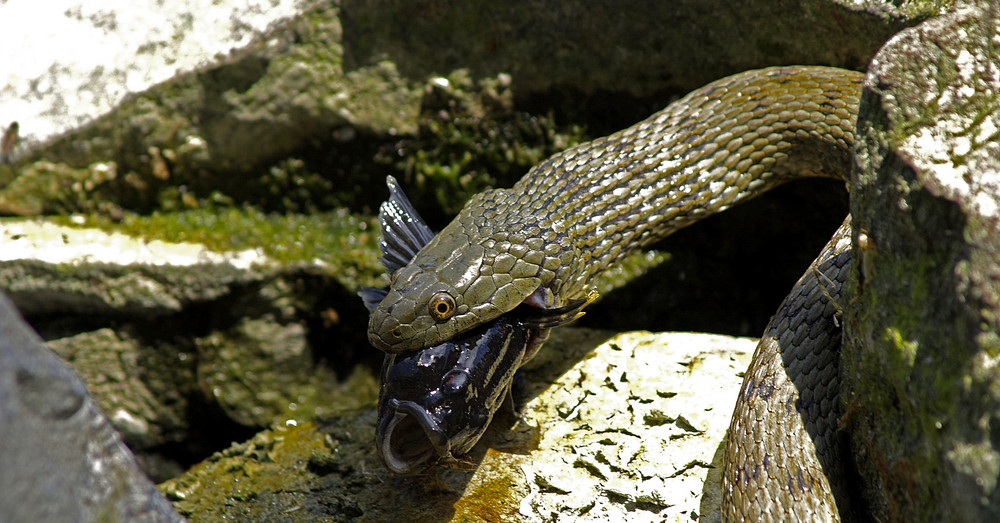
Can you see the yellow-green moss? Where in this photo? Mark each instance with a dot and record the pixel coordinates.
(343, 244)
(47, 187)
(491, 499)
(273, 461)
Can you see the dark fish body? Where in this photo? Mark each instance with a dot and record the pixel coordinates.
(436, 403)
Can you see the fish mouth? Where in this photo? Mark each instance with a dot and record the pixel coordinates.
(410, 440)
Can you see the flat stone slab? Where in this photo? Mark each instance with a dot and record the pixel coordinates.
(633, 431)
(49, 242)
(47, 268)
(617, 427)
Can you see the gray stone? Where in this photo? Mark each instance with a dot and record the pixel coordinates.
(109, 364)
(278, 92)
(76, 62)
(60, 457)
(608, 46)
(56, 269)
(71, 61)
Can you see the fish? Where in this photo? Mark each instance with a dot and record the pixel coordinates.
(435, 403)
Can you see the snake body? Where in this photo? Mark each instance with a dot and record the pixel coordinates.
(543, 241)
(575, 214)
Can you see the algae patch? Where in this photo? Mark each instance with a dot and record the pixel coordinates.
(273, 461)
(337, 242)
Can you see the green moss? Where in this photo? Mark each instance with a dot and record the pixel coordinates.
(472, 137)
(904, 350)
(325, 470)
(339, 242)
(491, 499)
(921, 9)
(45, 187)
(911, 385)
(273, 461)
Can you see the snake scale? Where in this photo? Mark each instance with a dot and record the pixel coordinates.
(542, 242)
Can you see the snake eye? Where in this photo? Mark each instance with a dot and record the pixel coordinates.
(441, 306)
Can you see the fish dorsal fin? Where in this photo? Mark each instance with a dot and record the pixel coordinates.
(403, 234)
(372, 297)
(403, 231)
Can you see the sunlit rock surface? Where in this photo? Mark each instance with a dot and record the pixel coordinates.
(615, 427)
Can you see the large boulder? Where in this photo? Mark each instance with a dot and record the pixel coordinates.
(61, 458)
(923, 327)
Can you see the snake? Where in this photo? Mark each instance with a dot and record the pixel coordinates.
(540, 244)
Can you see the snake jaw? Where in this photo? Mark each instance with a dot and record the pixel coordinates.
(542, 298)
(555, 317)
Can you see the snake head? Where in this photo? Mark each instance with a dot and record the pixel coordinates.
(435, 403)
(467, 275)
(443, 285)
(447, 289)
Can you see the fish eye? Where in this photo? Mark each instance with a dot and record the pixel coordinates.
(454, 381)
(441, 306)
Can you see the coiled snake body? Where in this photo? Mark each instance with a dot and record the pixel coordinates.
(543, 241)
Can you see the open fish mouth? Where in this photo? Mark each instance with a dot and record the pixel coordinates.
(410, 440)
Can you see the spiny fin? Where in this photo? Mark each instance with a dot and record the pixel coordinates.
(403, 234)
(372, 297)
(403, 231)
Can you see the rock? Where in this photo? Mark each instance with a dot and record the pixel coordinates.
(61, 459)
(110, 366)
(188, 347)
(923, 330)
(206, 129)
(233, 115)
(633, 430)
(75, 61)
(63, 269)
(616, 427)
(606, 47)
